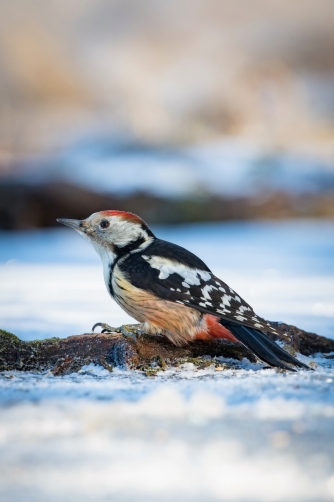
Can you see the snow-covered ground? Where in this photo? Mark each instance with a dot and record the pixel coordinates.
(247, 434)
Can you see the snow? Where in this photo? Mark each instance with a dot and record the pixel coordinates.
(243, 434)
(248, 434)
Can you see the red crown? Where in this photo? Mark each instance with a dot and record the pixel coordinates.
(122, 214)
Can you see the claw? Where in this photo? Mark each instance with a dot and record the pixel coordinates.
(96, 325)
(106, 328)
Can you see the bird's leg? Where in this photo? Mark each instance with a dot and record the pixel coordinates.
(131, 330)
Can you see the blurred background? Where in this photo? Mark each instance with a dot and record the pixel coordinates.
(182, 111)
(214, 121)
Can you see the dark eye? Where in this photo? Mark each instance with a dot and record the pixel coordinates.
(104, 224)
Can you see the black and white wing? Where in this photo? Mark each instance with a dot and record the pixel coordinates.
(175, 274)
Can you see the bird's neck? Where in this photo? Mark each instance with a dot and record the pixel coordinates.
(111, 255)
(108, 258)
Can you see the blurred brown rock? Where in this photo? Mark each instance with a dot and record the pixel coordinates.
(24, 206)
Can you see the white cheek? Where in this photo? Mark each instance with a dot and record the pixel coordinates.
(124, 232)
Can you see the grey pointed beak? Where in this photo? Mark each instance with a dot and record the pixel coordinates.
(75, 224)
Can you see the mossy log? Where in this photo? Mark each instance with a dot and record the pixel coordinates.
(147, 353)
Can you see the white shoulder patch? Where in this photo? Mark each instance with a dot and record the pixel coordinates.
(191, 276)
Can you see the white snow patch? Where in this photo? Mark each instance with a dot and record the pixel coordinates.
(94, 370)
(199, 429)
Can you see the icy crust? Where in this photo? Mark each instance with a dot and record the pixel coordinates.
(246, 434)
(238, 387)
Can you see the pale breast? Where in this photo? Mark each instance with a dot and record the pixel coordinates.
(178, 322)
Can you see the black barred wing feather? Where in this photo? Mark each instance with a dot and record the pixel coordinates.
(192, 286)
(213, 296)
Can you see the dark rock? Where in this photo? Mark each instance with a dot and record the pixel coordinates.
(147, 353)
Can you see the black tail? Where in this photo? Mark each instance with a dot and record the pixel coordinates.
(264, 348)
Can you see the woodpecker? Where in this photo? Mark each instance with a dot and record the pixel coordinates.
(171, 291)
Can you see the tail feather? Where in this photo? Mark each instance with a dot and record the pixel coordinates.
(265, 348)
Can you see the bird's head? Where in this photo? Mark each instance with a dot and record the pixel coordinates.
(113, 232)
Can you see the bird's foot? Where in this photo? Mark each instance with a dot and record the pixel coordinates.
(106, 328)
(131, 330)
